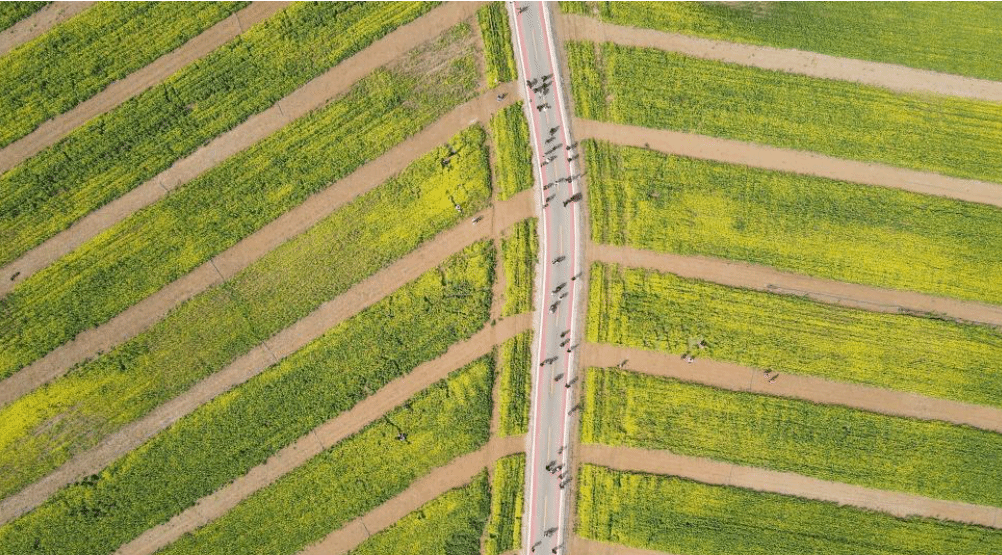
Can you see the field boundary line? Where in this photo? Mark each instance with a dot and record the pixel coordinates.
(312, 95)
(889, 76)
(735, 377)
(759, 277)
(584, 546)
(456, 473)
(392, 395)
(137, 82)
(285, 342)
(38, 23)
(708, 471)
(801, 162)
(137, 318)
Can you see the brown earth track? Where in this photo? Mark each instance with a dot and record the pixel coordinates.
(719, 473)
(48, 133)
(889, 76)
(795, 161)
(282, 344)
(764, 278)
(734, 377)
(453, 475)
(39, 22)
(310, 96)
(582, 546)
(329, 433)
(152, 309)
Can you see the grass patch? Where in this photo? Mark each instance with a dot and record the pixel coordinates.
(663, 312)
(162, 242)
(674, 515)
(519, 251)
(12, 12)
(241, 428)
(810, 225)
(504, 527)
(515, 377)
(514, 155)
(928, 458)
(664, 90)
(498, 53)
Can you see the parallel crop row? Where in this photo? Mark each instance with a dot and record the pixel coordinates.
(209, 331)
(498, 53)
(118, 151)
(510, 134)
(927, 458)
(79, 58)
(12, 12)
(832, 229)
(504, 527)
(515, 377)
(240, 429)
(673, 515)
(159, 244)
(663, 312)
(519, 252)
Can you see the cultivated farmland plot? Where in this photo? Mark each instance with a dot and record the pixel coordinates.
(12, 12)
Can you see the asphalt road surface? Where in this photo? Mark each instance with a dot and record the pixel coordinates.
(552, 410)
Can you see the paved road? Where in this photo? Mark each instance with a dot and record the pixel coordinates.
(545, 520)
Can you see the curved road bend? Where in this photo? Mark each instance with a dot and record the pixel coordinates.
(545, 519)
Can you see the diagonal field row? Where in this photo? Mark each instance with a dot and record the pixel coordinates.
(38, 23)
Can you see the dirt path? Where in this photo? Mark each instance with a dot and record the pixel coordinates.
(453, 475)
(582, 546)
(282, 344)
(39, 22)
(310, 96)
(714, 472)
(135, 83)
(796, 161)
(152, 309)
(764, 278)
(889, 76)
(735, 377)
(327, 434)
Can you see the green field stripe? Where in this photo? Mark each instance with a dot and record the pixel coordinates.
(76, 60)
(664, 90)
(674, 515)
(240, 429)
(119, 150)
(12, 12)
(663, 312)
(811, 225)
(162, 242)
(504, 526)
(499, 57)
(519, 253)
(510, 133)
(927, 458)
(515, 377)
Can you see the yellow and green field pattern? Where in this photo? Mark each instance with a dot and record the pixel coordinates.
(12, 12)
(673, 515)
(499, 55)
(504, 527)
(519, 254)
(664, 90)
(662, 312)
(810, 225)
(928, 458)
(515, 380)
(510, 134)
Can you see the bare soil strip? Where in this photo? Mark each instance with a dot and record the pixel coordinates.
(795, 161)
(764, 278)
(286, 342)
(734, 377)
(38, 23)
(453, 475)
(309, 97)
(582, 546)
(719, 473)
(152, 309)
(889, 76)
(329, 433)
(118, 92)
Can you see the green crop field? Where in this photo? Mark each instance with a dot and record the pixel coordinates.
(118, 151)
(450, 524)
(510, 133)
(504, 527)
(76, 60)
(815, 226)
(952, 37)
(673, 515)
(162, 242)
(928, 458)
(209, 331)
(241, 428)
(652, 88)
(445, 421)
(498, 53)
(519, 252)
(662, 312)
(515, 378)
(12, 12)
